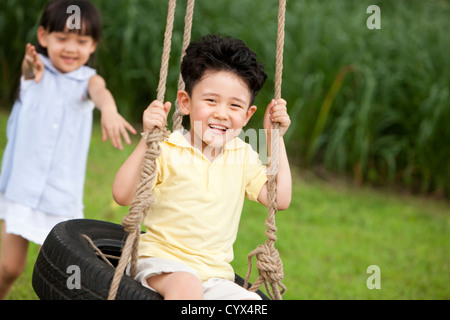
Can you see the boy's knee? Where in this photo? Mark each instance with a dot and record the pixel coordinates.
(191, 287)
(180, 286)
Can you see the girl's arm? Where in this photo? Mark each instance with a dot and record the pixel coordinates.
(277, 112)
(113, 124)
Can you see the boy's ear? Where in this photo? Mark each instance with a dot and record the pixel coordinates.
(42, 36)
(183, 101)
(251, 110)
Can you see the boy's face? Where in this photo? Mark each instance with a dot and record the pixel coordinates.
(219, 108)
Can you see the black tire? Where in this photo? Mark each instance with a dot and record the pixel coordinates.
(65, 246)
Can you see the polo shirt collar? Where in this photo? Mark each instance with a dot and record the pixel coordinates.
(177, 138)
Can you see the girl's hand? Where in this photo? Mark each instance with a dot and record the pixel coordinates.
(113, 124)
(155, 115)
(277, 112)
(32, 66)
(115, 127)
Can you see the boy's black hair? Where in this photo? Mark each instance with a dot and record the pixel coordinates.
(55, 16)
(217, 53)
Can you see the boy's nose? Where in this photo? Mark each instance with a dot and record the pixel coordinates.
(220, 113)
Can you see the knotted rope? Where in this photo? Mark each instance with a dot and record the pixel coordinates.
(268, 261)
(143, 198)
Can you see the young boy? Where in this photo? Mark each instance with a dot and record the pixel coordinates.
(204, 175)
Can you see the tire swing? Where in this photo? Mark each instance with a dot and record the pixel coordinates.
(78, 260)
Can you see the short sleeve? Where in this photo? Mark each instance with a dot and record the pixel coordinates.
(159, 166)
(255, 174)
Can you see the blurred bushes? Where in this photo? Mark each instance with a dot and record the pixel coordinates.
(373, 104)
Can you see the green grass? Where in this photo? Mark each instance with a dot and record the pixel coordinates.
(327, 238)
(332, 233)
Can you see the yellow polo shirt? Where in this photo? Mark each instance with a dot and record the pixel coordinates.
(195, 217)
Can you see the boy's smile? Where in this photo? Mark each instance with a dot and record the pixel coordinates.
(219, 107)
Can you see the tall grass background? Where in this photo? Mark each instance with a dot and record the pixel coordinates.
(370, 104)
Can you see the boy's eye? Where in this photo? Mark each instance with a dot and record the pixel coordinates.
(236, 106)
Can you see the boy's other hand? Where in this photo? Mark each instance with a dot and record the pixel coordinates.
(277, 112)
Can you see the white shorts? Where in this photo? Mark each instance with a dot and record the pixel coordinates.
(214, 289)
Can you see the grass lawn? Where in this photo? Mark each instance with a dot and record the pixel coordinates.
(327, 239)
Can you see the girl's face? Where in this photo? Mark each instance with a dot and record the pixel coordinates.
(67, 51)
(219, 108)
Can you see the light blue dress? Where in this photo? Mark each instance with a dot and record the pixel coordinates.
(49, 132)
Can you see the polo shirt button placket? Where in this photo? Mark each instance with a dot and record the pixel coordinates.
(210, 179)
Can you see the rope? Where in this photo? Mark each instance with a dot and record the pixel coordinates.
(268, 261)
(98, 251)
(177, 117)
(143, 198)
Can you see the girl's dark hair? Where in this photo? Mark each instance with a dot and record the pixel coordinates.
(217, 53)
(55, 16)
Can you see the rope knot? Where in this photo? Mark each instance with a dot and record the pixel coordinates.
(270, 268)
(269, 263)
(156, 135)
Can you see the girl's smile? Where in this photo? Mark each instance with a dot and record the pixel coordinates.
(69, 60)
(67, 51)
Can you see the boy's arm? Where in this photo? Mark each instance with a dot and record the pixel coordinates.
(128, 176)
(277, 112)
(284, 180)
(113, 124)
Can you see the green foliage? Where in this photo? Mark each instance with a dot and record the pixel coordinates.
(369, 103)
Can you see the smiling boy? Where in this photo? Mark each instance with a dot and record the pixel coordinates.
(192, 225)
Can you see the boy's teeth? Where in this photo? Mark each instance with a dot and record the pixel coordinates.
(217, 127)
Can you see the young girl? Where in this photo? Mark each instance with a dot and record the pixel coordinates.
(49, 131)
